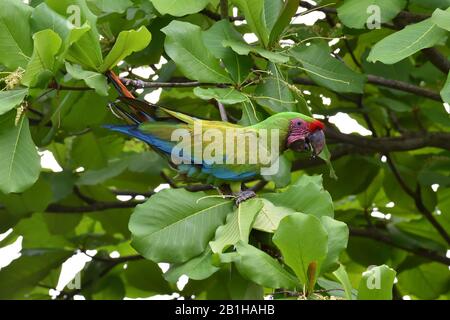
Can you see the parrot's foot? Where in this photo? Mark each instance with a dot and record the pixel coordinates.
(243, 196)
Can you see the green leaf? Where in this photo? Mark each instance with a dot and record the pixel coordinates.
(147, 276)
(47, 44)
(164, 226)
(306, 195)
(35, 199)
(243, 48)
(185, 46)
(337, 241)
(326, 70)
(406, 42)
(269, 216)
(249, 114)
(237, 226)
(16, 44)
(273, 94)
(92, 79)
(198, 268)
(356, 13)
(342, 276)
(127, 43)
(238, 66)
(78, 45)
(287, 12)
(441, 18)
(222, 95)
(94, 177)
(259, 267)
(426, 281)
(445, 92)
(179, 8)
(302, 241)
(19, 160)
(109, 6)
(376, 283)
(23, 274)
(254, 15)
(86, 50)
(10, 99)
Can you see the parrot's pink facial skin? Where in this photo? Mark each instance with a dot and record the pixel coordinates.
(304, 135)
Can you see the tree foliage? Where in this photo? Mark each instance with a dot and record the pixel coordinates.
(379, 210)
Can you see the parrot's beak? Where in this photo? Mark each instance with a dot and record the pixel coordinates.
(316, 141)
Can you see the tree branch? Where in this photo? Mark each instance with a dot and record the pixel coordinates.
(384, 237)
(139, 84)
(389, 83)
(436, 58)
(94, 207)
(224, 9)
(408, 142)
(417, 197)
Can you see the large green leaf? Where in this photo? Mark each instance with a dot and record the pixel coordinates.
(127, 43)
(356, 13)
(147, 276)
(198, 268)
(179, 8)
(23, 274)
(92, 79)
(86, 51)
(185, 46)
(426, 281)
(19, 160)
(254, 14)
(259, 267)
(238, 66)
(16, 44)
(442, 19)
(305, 195)
(326, 70)
(163, 228)
(47, 44)
(303, 241)
(342, 276)
(237, 227)
(376, 283)
(222, 95)
(269, 216)
(10, 99)
(78, 47)
(243, 48)
(273, 94)
(108, 6)
(337, 241)
(406, 42)
(283, 20)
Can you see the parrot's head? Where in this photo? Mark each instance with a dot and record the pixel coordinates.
(306, 135)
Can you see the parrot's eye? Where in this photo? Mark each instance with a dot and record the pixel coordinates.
(299, 123)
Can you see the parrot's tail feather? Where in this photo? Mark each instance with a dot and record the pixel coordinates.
(117, 83)
(133, 131)
(121, 113)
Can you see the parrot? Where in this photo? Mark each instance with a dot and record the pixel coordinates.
(155, 125)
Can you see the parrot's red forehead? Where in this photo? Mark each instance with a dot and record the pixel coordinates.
(315, 125)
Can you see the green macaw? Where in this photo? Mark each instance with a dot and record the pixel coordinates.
(232, 161)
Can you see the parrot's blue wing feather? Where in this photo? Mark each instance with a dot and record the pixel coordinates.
(227, 174)
(164, 146)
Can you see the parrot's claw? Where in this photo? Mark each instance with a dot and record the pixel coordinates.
(243, 196)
